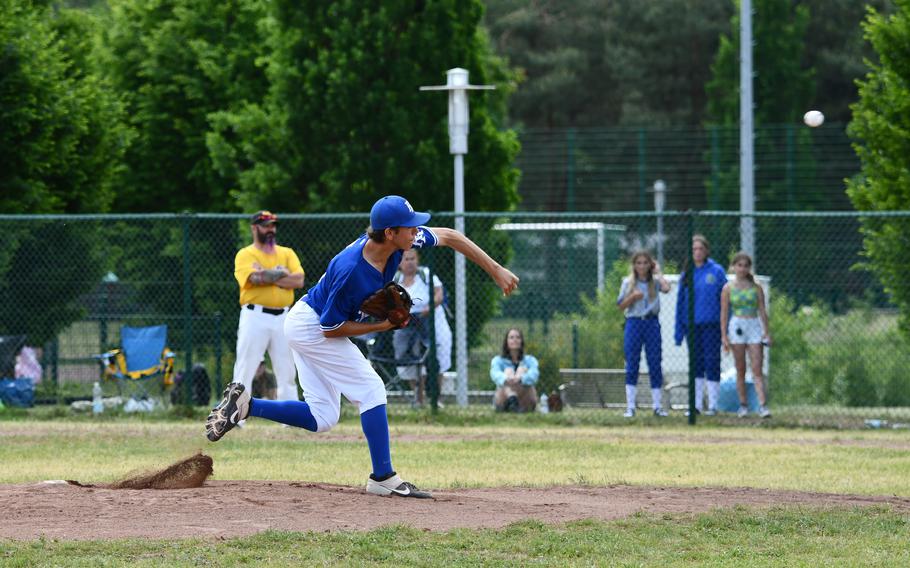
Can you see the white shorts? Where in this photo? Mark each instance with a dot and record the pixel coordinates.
(744, 331)
(328, 368)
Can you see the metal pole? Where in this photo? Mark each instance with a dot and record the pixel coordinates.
(461, 301)
(746, 140)
(691, 330)
(187, 299)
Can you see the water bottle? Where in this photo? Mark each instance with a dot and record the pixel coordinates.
(97, 402)
(544, 406)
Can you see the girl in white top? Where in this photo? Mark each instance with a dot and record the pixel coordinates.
(640, 300)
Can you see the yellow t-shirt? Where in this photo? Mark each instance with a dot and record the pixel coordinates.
(268, 295)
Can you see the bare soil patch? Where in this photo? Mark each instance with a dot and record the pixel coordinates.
(226, 509)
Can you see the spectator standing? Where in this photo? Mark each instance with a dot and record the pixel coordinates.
(267, 274)
(747, 331)
(408, 340)
(709, 279)
(515, 374)
(639, 298)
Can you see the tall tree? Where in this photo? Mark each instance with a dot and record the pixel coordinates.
(178, 62)
(344, 120)
(835, 48)
(61, 141)
(345, 123)
(784, 83)
(61, 131)
(590, 63)
(881, 120)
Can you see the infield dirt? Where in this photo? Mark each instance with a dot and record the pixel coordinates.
(225, 509)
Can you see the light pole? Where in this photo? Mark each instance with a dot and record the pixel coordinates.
(660, 200)
(457, 85)
(746, 139)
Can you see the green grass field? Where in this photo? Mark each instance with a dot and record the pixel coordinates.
(530, 452)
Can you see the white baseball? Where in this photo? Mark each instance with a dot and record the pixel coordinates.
(814, 118)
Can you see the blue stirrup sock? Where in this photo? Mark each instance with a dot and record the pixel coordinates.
(375, 424)
(290, 412)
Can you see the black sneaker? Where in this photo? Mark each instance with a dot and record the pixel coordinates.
(395, 486)
(512, 404)
(234, 407)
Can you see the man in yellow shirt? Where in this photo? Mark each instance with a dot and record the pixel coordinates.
(267, 274)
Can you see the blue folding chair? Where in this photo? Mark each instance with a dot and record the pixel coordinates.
(143, 366)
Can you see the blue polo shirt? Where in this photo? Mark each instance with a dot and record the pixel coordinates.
(709, 280)
(350, 279)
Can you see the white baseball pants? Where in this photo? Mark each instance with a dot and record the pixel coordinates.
(330, 367)
(258, 332)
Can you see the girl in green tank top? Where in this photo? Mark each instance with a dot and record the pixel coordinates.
(744, 300)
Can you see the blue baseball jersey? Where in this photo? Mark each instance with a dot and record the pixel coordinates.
(350, 279)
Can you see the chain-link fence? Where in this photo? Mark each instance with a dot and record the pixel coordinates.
(838, 355)
(612, 169)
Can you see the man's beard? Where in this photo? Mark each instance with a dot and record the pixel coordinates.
(266, 239)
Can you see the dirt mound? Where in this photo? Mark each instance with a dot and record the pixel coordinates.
(66, 512)
(185, 474)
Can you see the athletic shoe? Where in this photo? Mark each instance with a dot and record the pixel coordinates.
(743, 411)
(661, 413)
(711, 412)
(512, 404)
(697, 412)
(630, 413)
(234, 407)
(393, 486)
(764, 412)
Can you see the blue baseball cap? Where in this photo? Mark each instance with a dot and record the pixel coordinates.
(395, 211)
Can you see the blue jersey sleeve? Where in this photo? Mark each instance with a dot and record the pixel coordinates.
(425, 238)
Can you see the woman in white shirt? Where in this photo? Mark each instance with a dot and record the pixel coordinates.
(412, 340)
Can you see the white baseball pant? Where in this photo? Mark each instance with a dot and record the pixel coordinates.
(258, 332)
(330, 367)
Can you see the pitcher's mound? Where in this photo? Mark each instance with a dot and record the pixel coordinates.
(225, 509)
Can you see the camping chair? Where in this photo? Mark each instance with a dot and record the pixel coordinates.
(143, 367)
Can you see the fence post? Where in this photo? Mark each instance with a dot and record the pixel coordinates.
(691, 330)
(642, 173)
(791, 206)
(570, 170)
(432, 385)
(187, 298)
(574, 344)
(715, 169)
(218, 318)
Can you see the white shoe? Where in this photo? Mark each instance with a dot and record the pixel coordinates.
(234, 407)
(395, 486)
(743, 411)
(710, 412)
(661, 413)
(630, 413)
(764, 412)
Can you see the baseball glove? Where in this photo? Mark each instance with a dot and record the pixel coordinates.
(391, 302)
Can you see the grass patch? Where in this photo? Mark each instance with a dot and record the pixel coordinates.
(439, 457)
(738, 537)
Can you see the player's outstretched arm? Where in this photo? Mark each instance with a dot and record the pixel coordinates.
(455, 240)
